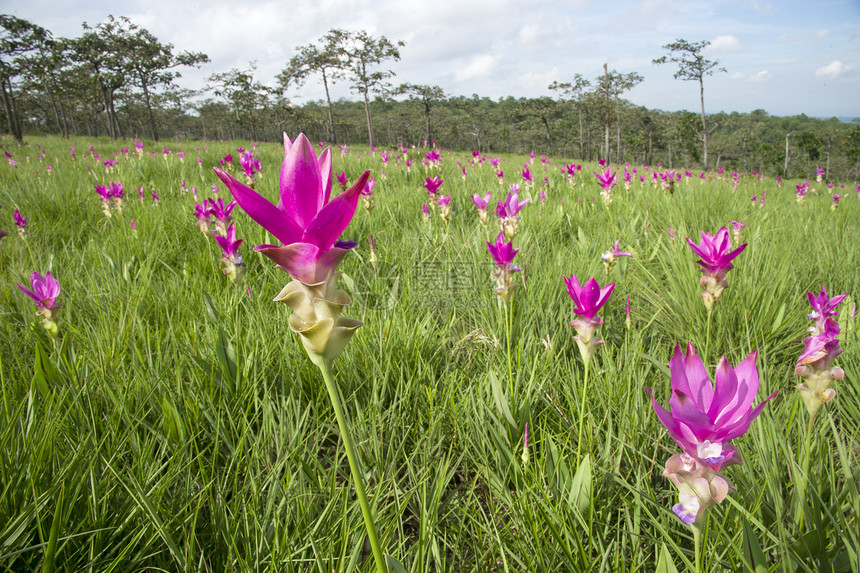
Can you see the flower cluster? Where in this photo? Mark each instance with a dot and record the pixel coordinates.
(111, 196)
(250, 167)
(508, 212)
(611, 256)
(606, 180)
(815, 364)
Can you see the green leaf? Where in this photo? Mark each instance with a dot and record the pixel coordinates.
(659, 365)
(45, 374)
(211, 310)
(777, 322)
(226, 354)
(499, 398)
(394, 566)
(580, 489)
(665, 563)
(754, 558)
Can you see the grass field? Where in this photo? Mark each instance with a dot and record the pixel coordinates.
(176, 424)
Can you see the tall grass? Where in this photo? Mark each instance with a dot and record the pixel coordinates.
(176, 423)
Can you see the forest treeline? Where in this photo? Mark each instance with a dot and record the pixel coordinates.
(118, 80)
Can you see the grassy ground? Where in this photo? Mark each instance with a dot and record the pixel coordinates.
(176, 423)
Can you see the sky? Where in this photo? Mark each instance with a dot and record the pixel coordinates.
(786, 57)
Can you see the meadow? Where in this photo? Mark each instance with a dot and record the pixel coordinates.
(175, 423)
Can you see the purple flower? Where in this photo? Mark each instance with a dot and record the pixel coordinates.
(367, 190)
(698, 487)
(606, 179)
(304, 220)
(716, 256)
(229, 245)
(45, 291)
(511, 206)
(433, 185)
(250, 165)
(19, 220)
(705, 416)
(481, 202)
(503, 254)
(588, 300)
(815, 363)
(341, 179)
(823, 307)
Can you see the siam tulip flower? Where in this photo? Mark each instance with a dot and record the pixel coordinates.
(21, 222)
(611, 256)
(425, 211)
(203, 213)
(716, 262)
(433, 185)
(116, 194)
(601, 162)
(835, 204)
(481, 203)
(105, 196)
(155, 197)
(698, 487)
(221, 213)
(250, 166)
(528, 178)
(589, 299)
(45, 292)
(140, 193)
(230, 257)
(705, 416)
(815, 364)
(671, 234)
(736, 230)
(433, 159)
(801, 191)
(49, 169)
(819, 174)
(309, 225)
(495, 161)
(444, 202)
(367, 194)
(503, 254)
(606, 180)
(342, 181)
(508, 212)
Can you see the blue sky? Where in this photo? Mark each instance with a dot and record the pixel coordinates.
(786, 57)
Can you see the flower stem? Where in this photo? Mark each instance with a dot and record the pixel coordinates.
(508, 307)
(334, 395)
(803, 479)
(708, 336)
(697, 547)
(582, 414)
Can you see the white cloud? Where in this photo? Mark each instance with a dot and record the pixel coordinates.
(760, 76)
(724, 44)
(832, 70)
(761, 7)
(535, 80)
(480, 67)
(528, 33)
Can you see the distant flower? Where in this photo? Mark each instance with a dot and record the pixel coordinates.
(444, 202)
(230, 257)
(250, 166)
(716, 256)
(503, 254)
(508, 213)
(815, 364)
(433, 185)
(611, 256)
(482, 203)
(736, 230)
(342, 181)
(588, 299)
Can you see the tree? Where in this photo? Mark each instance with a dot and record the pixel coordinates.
(359, 51)
(426, 96)
(574, 91)
(322, 58)
(243, 94)
(149, 62)
(544, 108)
(18, 38)
(692, 65)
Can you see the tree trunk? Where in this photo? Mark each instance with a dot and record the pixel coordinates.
(581, 154)
(704, 124)
(11, 122)
(367, 114)
(427, 121)
(618, 128)
(149, 110)
(548, 139)
(785, 169)
(606, 116)
(328, 100)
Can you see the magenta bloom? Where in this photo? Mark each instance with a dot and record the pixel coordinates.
(823, 306)
(511, 206)
(715, 254)
(230, 246)
(503, 253)
(341, 179)
(588, 298)
(433, 185)
(304, 220)
(367, 190)
(705, 416)
(19, 220)
(250, 164)
(45, 290)
(606, 179)
(481, 202)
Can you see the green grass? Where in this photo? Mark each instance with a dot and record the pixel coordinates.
(176, 423)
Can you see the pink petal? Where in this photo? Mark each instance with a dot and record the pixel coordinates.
(301, 183)
(260, 210)
(325, 171)
(701, 390)
(726, 393)
(335, 216)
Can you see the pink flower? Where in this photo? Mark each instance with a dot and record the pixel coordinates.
(706, 416)
(716, 256)
(304, 220)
